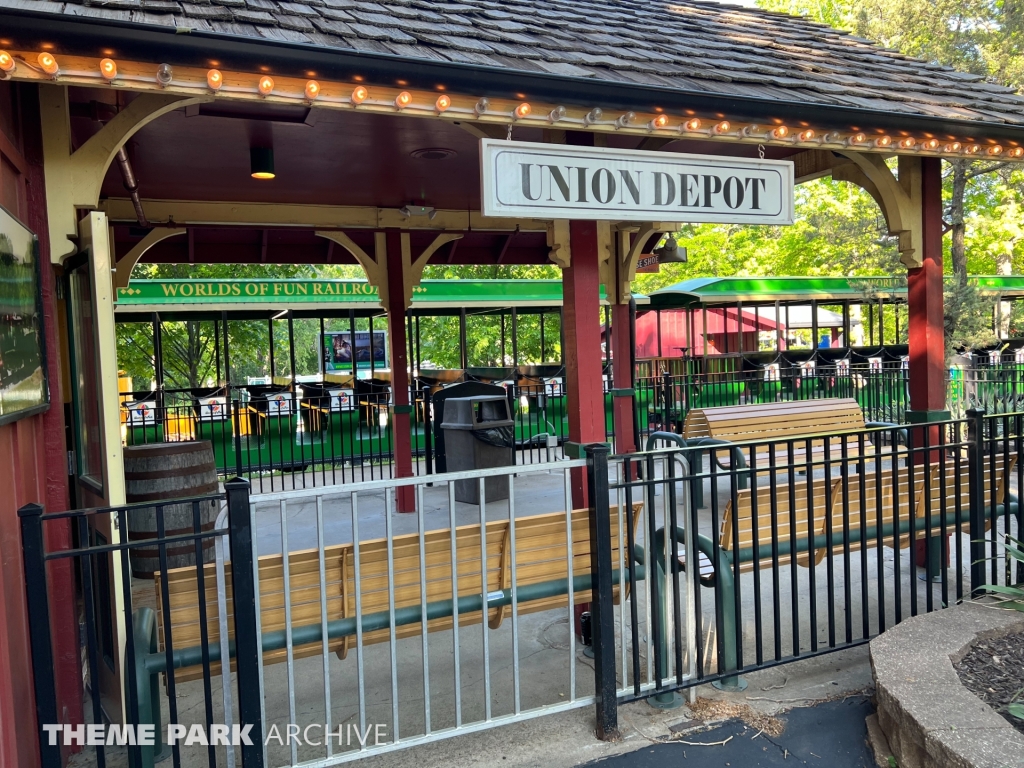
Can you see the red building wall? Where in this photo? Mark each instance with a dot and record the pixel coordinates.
(33, 464)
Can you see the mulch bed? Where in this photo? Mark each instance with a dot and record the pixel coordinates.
(994, 672)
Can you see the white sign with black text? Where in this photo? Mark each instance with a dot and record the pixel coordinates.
(559, 181)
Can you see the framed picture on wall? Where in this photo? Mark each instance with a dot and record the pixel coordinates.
(23, 386)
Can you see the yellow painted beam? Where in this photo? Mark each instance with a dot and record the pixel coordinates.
(181, 212)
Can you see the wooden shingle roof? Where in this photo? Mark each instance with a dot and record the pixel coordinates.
(680, 45)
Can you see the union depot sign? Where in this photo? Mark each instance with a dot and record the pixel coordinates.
(556, 181)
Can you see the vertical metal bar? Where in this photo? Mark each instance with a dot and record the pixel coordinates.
(515, 593)
(320, 543)
(455, 603)
(423, 610)
(222, 627)
(484, 589)
(390, 535)
(357, 579)
(270, 333)
(602, 609)
(571, 591)
(289, 648)
(130, 651)
(165, 602)
(37, 599)
(463, 354)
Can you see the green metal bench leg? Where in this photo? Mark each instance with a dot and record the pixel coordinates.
(148, 685)
(729, 661)
(730, 615)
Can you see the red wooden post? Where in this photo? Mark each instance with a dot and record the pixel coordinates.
(622, 373)
(401, 442)
(924, 300)
(926, 338)
(582, 354)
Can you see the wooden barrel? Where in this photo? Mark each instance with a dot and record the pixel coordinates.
(163, 471)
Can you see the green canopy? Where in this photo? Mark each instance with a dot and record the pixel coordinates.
(716, 291)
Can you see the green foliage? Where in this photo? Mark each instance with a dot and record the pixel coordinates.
(189, 347)
(967, 320)
(1011, 596)
(838, 231)
(439, 336)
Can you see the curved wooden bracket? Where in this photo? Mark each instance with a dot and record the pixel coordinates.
(630, 244)
(412, 271)
(558, 243)
(899, 198)
(127, 263)
(74, 179)
(375, 267)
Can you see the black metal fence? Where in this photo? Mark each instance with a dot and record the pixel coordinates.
(803, 547)
(104, 554)
(664, 401)
(739, 557)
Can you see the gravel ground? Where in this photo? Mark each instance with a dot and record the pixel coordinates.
(994, 672)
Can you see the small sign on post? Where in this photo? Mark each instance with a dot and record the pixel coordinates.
(648, 263)
(558, 181)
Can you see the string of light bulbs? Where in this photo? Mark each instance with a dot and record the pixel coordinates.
(45, 65)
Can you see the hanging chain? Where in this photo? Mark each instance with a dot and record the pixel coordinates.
(760, 151)
(509, 136)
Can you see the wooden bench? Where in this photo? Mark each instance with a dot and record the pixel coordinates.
(541, 557)
(796, 420)
(846, 513)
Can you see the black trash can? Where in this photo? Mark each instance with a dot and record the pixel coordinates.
(478, 434)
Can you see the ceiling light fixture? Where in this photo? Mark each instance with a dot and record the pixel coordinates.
(261, 162)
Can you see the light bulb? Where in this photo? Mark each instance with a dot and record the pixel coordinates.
(523, 110)
(908, 143)
(806, 135)
(556, 114)
(722, 127)
(857, 139)
(108, 68)
(359, 94)
(266, 85)
(403, 100)
(693, 124)
(164, 75)
(593, 116)
(658, 122)
(931, 145)
(6, 62)
(833, 137)
(995, 149)
(625, 119)
(883, 141)
(779, 132)
(1016, 152)
(48, 63)
(481, 106)
(953, 146)
(214, 79)
(442, 103)
(312, 89)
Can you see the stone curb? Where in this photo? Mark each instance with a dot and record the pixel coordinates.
(930, 719)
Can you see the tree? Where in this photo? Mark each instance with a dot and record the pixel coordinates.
(189, 346)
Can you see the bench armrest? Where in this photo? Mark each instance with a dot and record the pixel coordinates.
(900, 429)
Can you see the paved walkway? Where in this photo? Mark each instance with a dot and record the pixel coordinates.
(833, 735)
